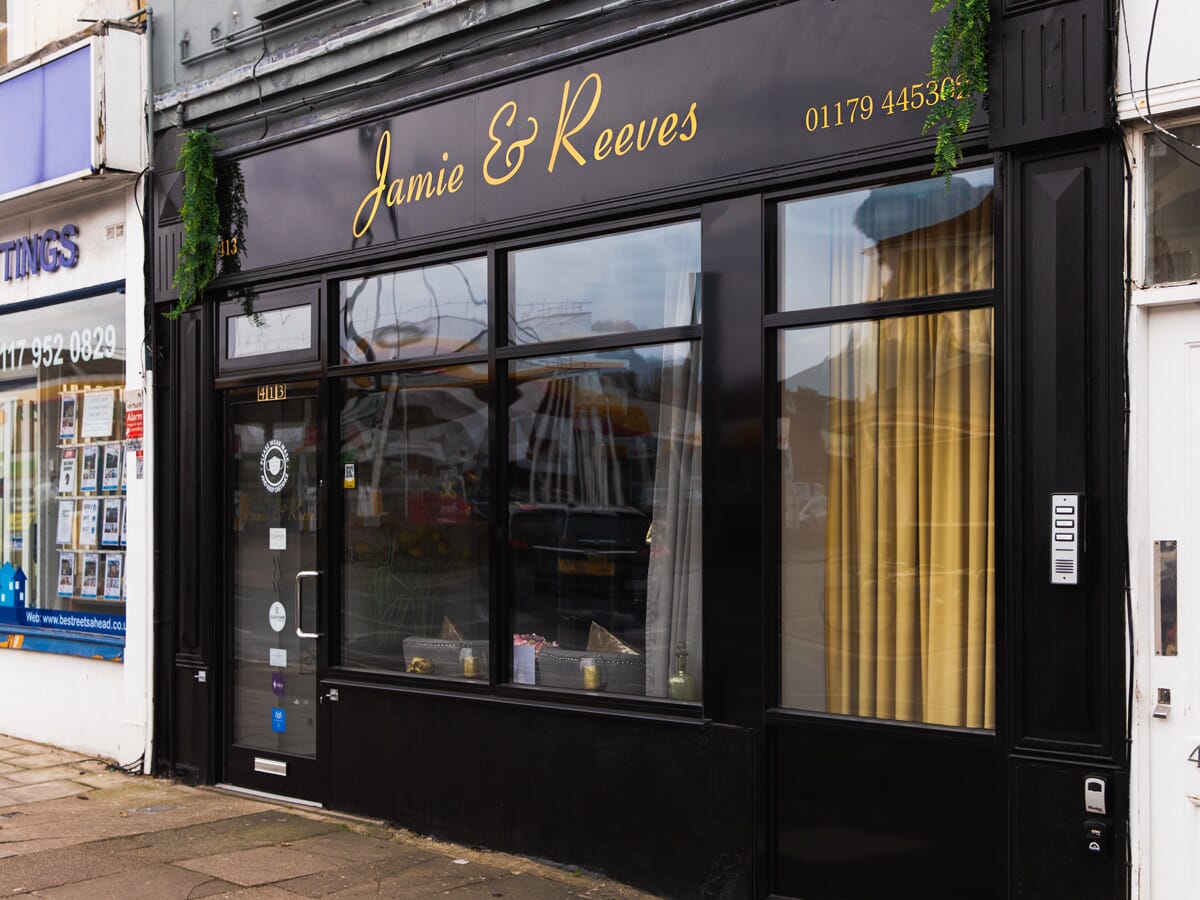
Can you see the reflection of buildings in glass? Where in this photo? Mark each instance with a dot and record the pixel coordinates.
(430, 311)
(928, 240)
(416, 547)
(586, 438)
(552, 320)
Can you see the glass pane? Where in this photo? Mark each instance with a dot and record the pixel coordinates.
(62, 466)
(604, 521)
(887, 243)
(1173, 208)
(415, 479)
(886, 452)
(431, 311)
(613, 284)
(1166, 607)
(272, 331)
(274, 511)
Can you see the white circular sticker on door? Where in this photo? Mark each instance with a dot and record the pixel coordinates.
(273, 466)
(277, 616)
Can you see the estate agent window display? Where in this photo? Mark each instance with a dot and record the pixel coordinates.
(62, 466)
(601, 466)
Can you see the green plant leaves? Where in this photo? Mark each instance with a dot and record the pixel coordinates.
(959, 46)
(197, 261)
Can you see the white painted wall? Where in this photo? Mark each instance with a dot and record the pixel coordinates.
(1174, 80)
(33, 24)
(1172, 94)
(101, 708)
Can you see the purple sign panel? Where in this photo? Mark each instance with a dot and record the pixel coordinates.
(51, 108)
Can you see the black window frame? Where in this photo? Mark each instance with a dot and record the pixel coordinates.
(775, 323)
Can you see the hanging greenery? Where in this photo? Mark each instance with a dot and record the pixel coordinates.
(959, 50)
(201, 219)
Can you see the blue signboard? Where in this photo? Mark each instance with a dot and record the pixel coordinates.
(51, 108)
(278, 719)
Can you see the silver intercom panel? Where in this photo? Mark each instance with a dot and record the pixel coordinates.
(1066, 537)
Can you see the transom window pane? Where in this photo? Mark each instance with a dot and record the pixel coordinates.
(887, 469)
(614, 284)
(887, 243)
(1173, 208)
(415, 478)
(272, 331)
(430, 311)
(604, 521)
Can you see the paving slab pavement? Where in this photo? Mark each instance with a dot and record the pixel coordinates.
(74, 828)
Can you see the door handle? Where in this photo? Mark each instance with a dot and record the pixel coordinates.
(300, 632)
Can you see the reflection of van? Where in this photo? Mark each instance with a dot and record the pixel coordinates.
(572, 565)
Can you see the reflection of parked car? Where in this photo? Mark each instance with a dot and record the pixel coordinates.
(572, 565)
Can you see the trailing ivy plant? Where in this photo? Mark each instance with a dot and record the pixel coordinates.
(960, 57)
(201, 219)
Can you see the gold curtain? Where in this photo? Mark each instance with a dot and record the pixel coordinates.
(910, 593)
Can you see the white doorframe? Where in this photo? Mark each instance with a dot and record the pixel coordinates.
(1165, 505)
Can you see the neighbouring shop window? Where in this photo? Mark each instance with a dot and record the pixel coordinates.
(1173, 207)
(887, 243)
(429, 311)
(415, 481)
(603, 468)
(887, 515)
(63, 466)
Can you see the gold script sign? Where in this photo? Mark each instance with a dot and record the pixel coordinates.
(580, 140)
(268, 392)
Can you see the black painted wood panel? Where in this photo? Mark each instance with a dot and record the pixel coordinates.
(1049, 72)
(895, 813)
(667, 806)
(1064, 658)
(1068, 404)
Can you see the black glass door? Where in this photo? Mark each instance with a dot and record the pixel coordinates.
(275, 591)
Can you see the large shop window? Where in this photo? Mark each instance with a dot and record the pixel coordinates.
(886, 458)
(415, 574)
(63, 470)
(603, 466)
(600, 472)
(1173, 208)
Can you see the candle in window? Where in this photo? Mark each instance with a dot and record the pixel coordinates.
(470, 665)
(591, 674)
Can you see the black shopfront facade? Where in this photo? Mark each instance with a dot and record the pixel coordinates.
(634, 459)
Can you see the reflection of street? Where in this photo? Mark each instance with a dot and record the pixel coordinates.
(274, 672)
(264, 577)
(802, 616)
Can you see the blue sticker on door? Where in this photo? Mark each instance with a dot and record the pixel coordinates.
(278, 719)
